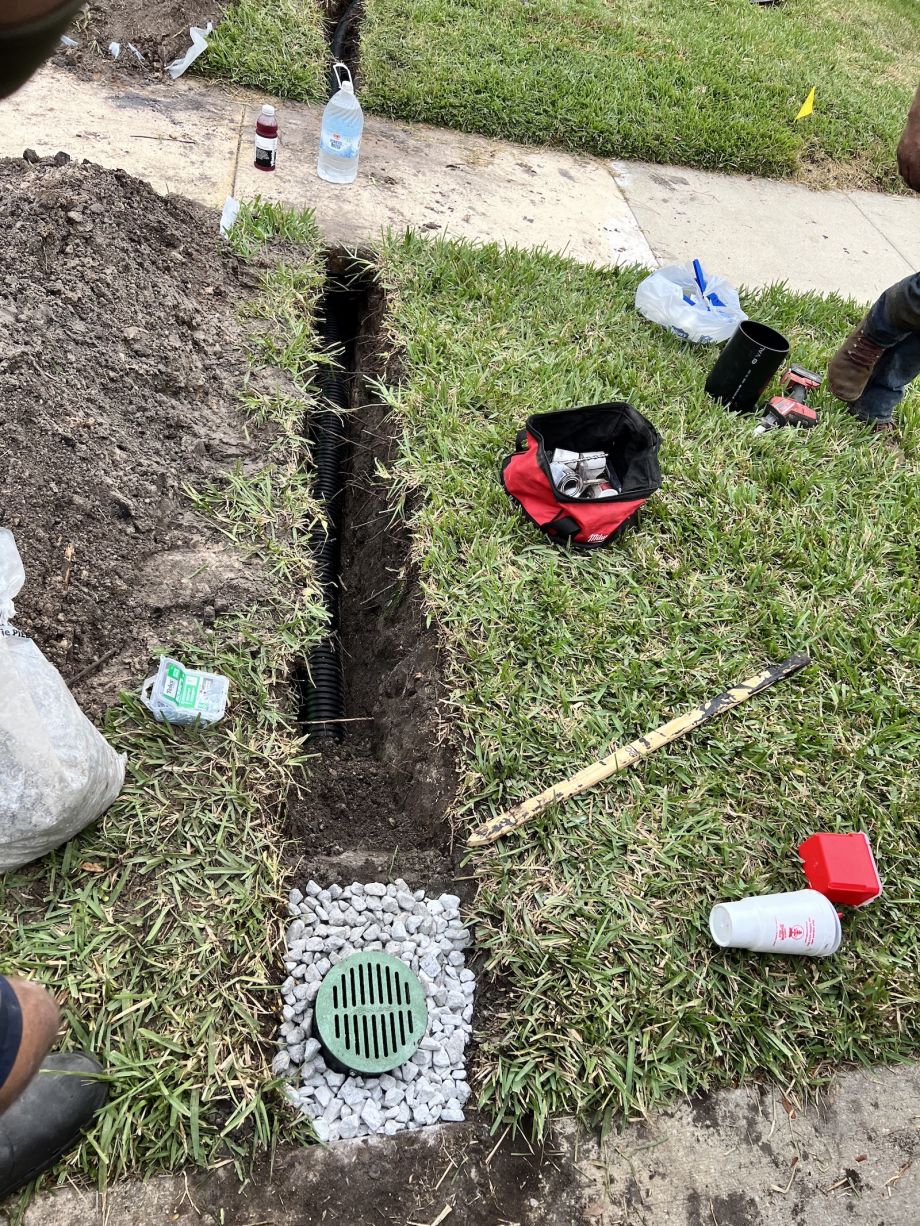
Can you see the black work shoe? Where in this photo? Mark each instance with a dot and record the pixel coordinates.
(49, 1117)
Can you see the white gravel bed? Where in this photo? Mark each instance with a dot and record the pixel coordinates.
(328, 925)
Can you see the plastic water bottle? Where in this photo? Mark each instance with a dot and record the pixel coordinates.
(266, 139)
(340, 135)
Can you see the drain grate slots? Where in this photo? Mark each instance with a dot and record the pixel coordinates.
(370, 1014)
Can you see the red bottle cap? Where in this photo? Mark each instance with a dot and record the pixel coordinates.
(841, 867)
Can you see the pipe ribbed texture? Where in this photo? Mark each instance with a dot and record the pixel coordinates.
(324, 693)
(324, 698)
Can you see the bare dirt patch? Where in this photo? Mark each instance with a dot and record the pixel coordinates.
(862, 173)
(118, 386)
(157, 28)
(486, 1180)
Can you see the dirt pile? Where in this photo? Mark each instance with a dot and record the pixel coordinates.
(157, 28)
(119, 373)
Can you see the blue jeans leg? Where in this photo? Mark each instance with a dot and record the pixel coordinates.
(894, 322)
(899, 366)
(897, 312)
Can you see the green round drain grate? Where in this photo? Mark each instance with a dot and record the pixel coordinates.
(370, 1014)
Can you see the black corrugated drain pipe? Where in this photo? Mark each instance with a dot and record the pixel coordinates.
(324, 688)
(324, 685)
(341, 44)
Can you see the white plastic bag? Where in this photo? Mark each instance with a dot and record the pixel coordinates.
(692, 305)
(199, 37)
(57, 773)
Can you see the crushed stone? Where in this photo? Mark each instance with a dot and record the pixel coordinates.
(328, 925)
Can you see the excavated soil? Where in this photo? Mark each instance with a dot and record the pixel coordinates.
(157, 28)
(120, 369)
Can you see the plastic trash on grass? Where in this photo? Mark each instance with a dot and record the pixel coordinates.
(231, 212)
(179, 695)
(801, 922)
(199, 37)
(696, 307)
(57, 772)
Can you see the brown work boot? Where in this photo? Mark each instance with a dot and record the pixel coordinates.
(887, 433)
(852, 365)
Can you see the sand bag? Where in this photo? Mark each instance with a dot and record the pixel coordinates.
(57, 772)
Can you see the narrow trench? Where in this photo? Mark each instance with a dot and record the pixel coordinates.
(374, 797)
(372, 802)
(342, 24)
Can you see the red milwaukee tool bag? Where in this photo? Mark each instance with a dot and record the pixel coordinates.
(582, 474)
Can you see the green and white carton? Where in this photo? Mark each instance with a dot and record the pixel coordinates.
(179, 695)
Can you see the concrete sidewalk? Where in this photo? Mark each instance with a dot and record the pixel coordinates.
(748, 1157)
(195, 138)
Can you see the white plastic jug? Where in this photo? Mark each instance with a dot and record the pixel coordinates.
(340, 134)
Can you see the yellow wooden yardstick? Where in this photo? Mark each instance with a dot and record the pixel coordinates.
(522, 812)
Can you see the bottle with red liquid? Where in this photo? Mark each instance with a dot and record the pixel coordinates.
(266, 139)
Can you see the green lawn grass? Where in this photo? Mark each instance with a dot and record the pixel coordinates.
(595, 916)
(715, 84)
(160, 927)
(278, 47)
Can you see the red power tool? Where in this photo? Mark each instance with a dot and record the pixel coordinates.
(791, 407)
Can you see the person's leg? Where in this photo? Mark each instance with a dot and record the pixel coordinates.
(897, 312)
(46, 1101)
(891, 321)
(895, 371)
(28, 1027)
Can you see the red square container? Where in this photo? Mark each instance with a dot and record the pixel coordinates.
(841, 867)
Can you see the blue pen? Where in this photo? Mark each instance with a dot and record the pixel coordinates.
(712, 299)
(701, 282)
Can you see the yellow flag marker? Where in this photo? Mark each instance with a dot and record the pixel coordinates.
(807, 106)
